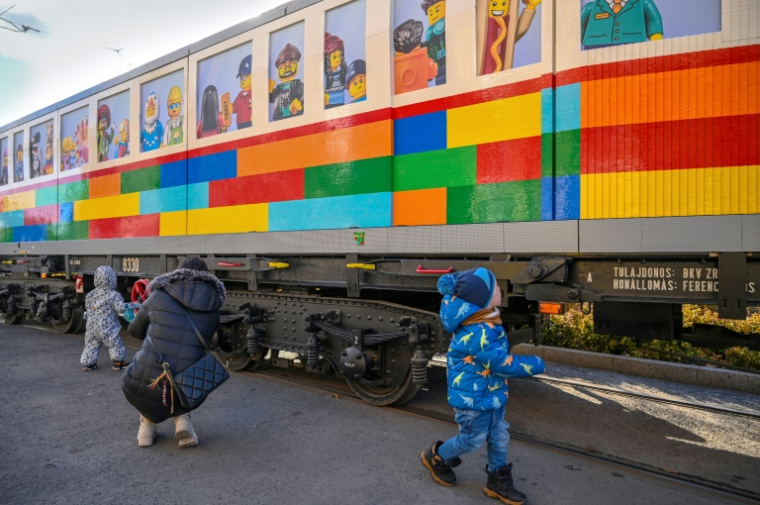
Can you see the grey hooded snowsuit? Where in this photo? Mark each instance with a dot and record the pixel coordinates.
(103, 305)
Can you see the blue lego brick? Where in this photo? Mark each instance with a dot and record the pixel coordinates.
(197, 196)
(547, 198)
(353, 211)
(174, 174)
(33, 233)
(212, 167)
(12, 219)
(66, 212)
(418, 134)
(547, 110)
(163, 200)
(568, 107)
(568, 197)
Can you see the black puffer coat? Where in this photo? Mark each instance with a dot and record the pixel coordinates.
(161, 317)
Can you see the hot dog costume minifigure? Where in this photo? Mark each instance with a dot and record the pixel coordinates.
(499, 29)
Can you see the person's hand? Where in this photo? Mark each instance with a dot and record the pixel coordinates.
(656, 36)
(327, 99)
(532, 4)
(296, 106)
(271, 86)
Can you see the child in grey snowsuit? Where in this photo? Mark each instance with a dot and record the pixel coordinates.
(103, 305)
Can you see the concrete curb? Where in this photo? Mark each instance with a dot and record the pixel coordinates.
(674, 372)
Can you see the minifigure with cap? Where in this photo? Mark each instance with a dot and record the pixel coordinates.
(241, 107)
(357, 81)
(287, 96)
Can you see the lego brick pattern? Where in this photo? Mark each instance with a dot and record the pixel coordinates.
(660, 136)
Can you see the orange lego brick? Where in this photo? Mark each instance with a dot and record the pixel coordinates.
(419, 207)
(105, 185)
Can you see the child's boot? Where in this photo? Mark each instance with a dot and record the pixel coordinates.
(501, 485)
(146, 433)
(119, 365)
(184, 431)
(439, 469)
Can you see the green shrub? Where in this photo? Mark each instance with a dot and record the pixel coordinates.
(575, 330)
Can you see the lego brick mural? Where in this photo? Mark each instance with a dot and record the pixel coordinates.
(419, 43)
(113, 127)
(4, 171)
(509, 34)
(41, 150)
(161, 117)
(18, 157)
(75, 152)
(224, 91)
(615, 22)
(345, 56)
(286, 85)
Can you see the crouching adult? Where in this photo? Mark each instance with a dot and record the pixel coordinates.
(189, 293)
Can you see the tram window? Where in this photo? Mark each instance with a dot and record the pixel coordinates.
(41, 150)
(18, 157)
(5, 166)
(345, 65)
(113, 127)
(286, 85)
(161, 113)
(419, 44)
(75, 131)
(509, 34)
(224, 91)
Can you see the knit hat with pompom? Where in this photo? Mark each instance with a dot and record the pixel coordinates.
(475, 286)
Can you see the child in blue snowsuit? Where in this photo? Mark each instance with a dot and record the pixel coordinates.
(479, 366)
(103, 305)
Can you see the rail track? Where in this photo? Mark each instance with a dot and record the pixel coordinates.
(735, 494)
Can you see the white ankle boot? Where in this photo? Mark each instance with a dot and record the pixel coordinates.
(146, 433)
(184, 431)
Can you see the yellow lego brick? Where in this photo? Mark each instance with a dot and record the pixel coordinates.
(667, 193)
(743, 189)
(725, 190)
(620, 183)
(584, 196)
(752, 189)
(635, 194)
(499, 120)
(709, 203)
(733, 173)
(627, 194)
(683, 201)
(173, 223)
(235, 219)
(717, 178)
(612, 209)
(691, 192)
(675, 195)
(657, 193)
(20, 201)
(605, 190)
(107, 207)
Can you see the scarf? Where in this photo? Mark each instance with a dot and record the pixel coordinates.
(484, 316)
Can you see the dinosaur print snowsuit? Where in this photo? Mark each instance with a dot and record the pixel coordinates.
(103, 305)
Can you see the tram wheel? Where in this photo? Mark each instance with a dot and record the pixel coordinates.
(72, 326)
(395, 394)
(16, 318)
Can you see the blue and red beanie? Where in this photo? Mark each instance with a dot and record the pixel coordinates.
(475, 286)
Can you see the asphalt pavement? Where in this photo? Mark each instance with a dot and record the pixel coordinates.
(69, 437)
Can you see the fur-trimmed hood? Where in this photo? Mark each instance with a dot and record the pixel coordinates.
(197, 290)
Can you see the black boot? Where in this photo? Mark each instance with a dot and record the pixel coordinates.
(118, 365)
(500, 485)
(440, 470)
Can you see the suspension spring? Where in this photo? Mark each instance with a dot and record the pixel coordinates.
(252, 341)
(10, 305)
(419, 368)
(33, 307)
(67, 310)
(312, 352)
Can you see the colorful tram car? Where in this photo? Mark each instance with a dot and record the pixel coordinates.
(330, 159)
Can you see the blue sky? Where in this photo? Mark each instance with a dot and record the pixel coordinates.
(46, 68)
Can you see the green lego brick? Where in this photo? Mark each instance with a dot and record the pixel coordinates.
(491, 203)
(141, 180)
(77, 230)
(52, 231)
(436, 169)
(352, 178)
(547, 155)
(6, 234)
(74, 191)
(46, 196)
(568, 153)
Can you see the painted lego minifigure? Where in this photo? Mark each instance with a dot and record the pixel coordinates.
(18, 172)
(211, 121)
(435, 36)
(173, 133)
(335, 71)
(357, 81)
(152, 134)
(83, 150)
(607, 22)
(287, 96)
(122, 144)
(241, 107)
(498, 47)
(106, 132)
(67, 154)
(47, 169)
(35, 156)
(413, 68)
(4, 169)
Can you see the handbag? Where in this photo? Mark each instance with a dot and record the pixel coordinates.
(197, 381)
